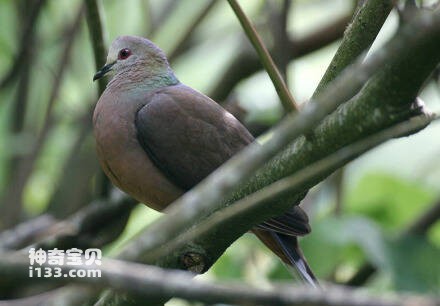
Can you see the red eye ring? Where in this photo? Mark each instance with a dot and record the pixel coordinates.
(124, 54)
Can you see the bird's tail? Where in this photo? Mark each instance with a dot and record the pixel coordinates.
(290, 248)
(287, 248)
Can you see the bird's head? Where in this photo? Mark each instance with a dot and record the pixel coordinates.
(135, 58)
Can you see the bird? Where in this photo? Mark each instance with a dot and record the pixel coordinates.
(156, 138)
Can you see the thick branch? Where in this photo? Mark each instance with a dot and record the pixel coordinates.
(350, 123)
(152, 282)
(255, 204)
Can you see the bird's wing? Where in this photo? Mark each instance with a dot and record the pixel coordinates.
(294, 222)
(187, 136)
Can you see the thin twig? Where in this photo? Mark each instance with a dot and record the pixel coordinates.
(97, 35)
(278, 15)
(246, 63)
(96, 30)
(338, 183)
(25, 45)
(20, 104)
(421, 225)
(12, 200)
(156, 19)
(183, 40)
(281, 88)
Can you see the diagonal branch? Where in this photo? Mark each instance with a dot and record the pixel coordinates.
(280, 85)
(377, 106)
(255, 204)
(204, 199)
(183, 41)
(358, 37)
(245, 62)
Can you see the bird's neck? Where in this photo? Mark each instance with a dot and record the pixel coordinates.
(144, 80)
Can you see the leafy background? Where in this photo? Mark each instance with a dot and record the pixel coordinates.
(378, 196)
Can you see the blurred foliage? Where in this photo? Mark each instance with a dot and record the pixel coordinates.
(389, 200)
(383, 191)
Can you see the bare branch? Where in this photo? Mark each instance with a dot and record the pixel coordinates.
(246, 61)
(96, 30)
(183, 41)
(421, 225)
(153, 282)
(25, 233)
(12, 200)
(281, 88)
(25, 46)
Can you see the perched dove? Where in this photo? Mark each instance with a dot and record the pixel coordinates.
(157, 138)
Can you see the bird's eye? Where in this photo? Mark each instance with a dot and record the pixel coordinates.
(124, 54)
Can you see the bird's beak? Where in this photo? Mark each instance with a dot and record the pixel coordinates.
(103, 71)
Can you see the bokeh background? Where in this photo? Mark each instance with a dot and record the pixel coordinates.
(48, 165)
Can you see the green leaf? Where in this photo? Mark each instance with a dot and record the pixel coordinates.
(339, 239)
(415, 265)
(391, 201)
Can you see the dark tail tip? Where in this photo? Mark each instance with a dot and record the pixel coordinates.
(290, 247)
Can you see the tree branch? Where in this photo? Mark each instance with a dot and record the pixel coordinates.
(25, 47)
(12, 199)
(256, 203)
(334, 133)
(25, 233)
(415, 45)
(183, 41)
(96, 30)
(246, 61)
(93, 226)
(283, 92)
(151, 282)
(358, 37)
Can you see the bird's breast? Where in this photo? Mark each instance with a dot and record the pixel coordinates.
(121, 156)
